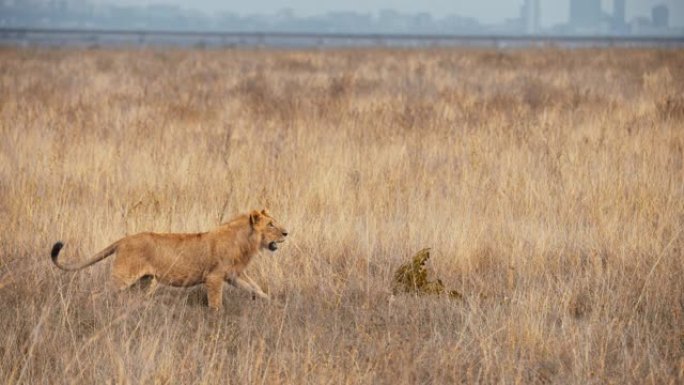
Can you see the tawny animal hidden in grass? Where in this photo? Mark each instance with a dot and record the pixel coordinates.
(412, 277)
(210, 258)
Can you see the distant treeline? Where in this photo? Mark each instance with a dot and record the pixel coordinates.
(206, 39)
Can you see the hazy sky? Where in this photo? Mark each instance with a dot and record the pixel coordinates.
(487, 11)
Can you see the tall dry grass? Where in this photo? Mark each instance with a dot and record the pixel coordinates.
(549, 184)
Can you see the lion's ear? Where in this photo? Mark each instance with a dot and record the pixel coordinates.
(254, 217)
(265, 211)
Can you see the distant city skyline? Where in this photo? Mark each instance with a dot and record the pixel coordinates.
(527, 17)
(553, 12)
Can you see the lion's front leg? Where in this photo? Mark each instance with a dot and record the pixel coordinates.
(255, 286)
(245, 283)
(214, 285)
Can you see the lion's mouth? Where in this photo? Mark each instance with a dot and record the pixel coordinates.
(273, 246)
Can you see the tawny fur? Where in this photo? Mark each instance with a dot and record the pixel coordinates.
(211, 258)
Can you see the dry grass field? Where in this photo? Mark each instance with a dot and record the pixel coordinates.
(548, 183)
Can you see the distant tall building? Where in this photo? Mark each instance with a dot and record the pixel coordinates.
(585, 14)
(661, 16)
(618, 23)
(530, 14)
(618, 12)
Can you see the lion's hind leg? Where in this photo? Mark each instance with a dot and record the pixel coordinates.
(122, 282)
(127, 270)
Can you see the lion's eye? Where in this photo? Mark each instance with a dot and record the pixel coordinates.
(270, 224)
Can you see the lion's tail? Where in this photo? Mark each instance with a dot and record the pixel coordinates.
(109, 250)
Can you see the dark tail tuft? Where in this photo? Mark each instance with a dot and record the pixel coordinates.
(55, 251)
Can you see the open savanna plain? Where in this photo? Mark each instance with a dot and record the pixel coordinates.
(548, 183)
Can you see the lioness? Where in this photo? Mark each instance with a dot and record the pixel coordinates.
(210, 258)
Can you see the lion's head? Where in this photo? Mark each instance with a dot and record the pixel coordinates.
(271, 232)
